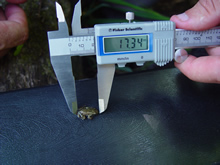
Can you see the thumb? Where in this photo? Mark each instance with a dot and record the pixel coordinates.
(204, 15)
(13, 30)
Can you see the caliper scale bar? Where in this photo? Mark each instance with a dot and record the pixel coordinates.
(82, 43)
(195, 39)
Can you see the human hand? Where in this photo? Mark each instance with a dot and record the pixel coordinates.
(13, 26)
(204, 15)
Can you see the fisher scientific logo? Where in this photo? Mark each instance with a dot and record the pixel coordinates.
(124, 29)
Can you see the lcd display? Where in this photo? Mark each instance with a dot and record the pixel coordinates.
(126, 43)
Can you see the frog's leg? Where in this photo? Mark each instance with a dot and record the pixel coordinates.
(79, 115)
(90, 117)
(82, 117)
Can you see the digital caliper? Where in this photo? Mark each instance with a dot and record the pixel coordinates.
(117, 43)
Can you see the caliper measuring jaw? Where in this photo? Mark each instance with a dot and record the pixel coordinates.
(62, 46)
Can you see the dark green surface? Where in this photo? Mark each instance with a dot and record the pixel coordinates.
(157, 117)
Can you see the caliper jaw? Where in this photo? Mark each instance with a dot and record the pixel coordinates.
(62, 31)
(63, 69)
(77, 29)
(105, 73)
(62, 64)
(105, 78)
(61, 59)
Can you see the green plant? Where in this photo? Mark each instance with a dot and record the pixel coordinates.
(121, 6)
(18, 50)
(139, 11)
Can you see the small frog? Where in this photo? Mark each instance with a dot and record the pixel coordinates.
(88, 112)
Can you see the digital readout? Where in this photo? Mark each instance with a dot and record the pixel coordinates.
(126, 43)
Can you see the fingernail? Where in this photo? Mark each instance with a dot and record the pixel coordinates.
(181, 55)
(183, 17)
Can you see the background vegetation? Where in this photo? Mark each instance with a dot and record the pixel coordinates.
(29, 65)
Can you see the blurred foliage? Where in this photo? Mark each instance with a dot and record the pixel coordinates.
(28, 65)
(139, 11)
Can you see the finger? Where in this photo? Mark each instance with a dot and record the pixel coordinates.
(15, 14)
(215, 51)
(16, 1)
(14, 31)
(204, 15)
(203, 69)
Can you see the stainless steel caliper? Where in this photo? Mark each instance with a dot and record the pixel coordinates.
(117, 43)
